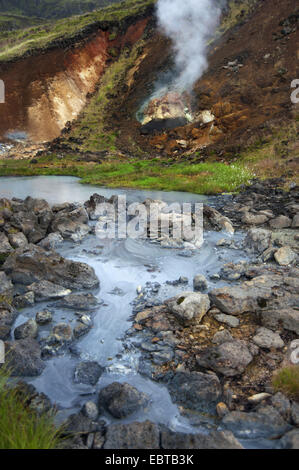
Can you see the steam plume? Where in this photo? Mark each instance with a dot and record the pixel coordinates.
(190, 24)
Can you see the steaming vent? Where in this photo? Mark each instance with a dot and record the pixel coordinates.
(166, 110)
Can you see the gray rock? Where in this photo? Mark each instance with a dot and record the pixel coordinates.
(6, 286)
(266, 423)
(228, 320)
(8, 316)
(295, 413)
(80, 329)
(63, 332)
(265, 338)
(25, 300)
(5, 246)
(254, 219)
(287, 317)
(71, 224)
(88, 372)
(26, 330)
(121, 399)
(213, 220)
(290, 440)
(189, 306)
(79, 302)
(195, 390)
(133, 436)
(221, 337)
(24, 358)
(280, 222)
(33, 264)
(214, 440)
(52, 241)
(285, 256)
(79, 424)
(295, 222)
(257, 240)
(90, 410)
(229, 359)
(282, 404)
(200, 283)
(44, 317)
(45, 290)
(18, 240)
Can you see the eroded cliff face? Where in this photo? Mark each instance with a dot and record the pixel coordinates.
(45, 91)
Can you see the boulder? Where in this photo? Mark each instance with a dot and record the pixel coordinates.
(222, 337)
(144, 435)
(23, 301)
(121, 399)
(33, 264)
(229, 358)
(44, 317)
(88, 372)
(24, 358)
(266, 423)
(290, 440)
(228, 320)
(5, 246)
(265, 338)
(189, 307)
(287, 317)
(17, 240)
(71, 224)
(6, 286)
(45, 290)
(250, 218)
(29, 329)
(53, 240)
(214, 440)
(257, 240)
(280, 222)
(78, 302)
(285, 256)
(213, 220)
(295, 222)
(200, 283)
(195, 390)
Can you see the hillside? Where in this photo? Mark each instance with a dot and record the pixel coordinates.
(87, 78)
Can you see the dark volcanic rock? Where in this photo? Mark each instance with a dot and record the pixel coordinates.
(24, 358)
(215, 440)
(26, 330)
(78, 302)
(195, 390)
(88, 372)
(33, 264)
(121, 400)
(133, 436)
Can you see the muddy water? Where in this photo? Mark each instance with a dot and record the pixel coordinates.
(125, 265)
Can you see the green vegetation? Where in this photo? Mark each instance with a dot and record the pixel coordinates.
(9, 22)
(22, 428)
(202, 178)
(16, 43)
(286, 380)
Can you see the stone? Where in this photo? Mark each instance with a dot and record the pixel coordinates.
(90, 410)
(71, 224)
(290, 440)
(283, 405)
(99, 440)
(33, 264)
(195, 390)
(121, 399)
(285, 256)
(17, 240)
(45, 290)
(228, 320)
(88, 372)
(63, 331)
(24, 358)
(221, 337)
(258, 398)
(295, 413)
(287, 317)
(214, 440)
(222, 409)
(266, 423)
(79, 424)
(254, 219)
(144, 435)
(280, 222)
(229, 359)
(189, 307)
(81, 329)
(52, 241)
(5, 246)
(200, 283)
(265, 338)
(78, 302)
(23, 301)
(295, 222)
(257, 240)
(6, 286)
(44, 317)
(213, 220)
(26, 330)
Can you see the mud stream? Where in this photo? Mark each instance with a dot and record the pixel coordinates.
(121, 266)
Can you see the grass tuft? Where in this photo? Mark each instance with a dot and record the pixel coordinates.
(286, 380)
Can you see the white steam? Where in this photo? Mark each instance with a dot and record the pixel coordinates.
(190, 24)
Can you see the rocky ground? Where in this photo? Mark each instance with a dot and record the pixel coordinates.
(216, 351)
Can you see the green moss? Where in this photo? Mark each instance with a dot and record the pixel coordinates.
(286, 380)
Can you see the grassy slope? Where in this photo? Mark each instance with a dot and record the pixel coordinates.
(18, 43)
